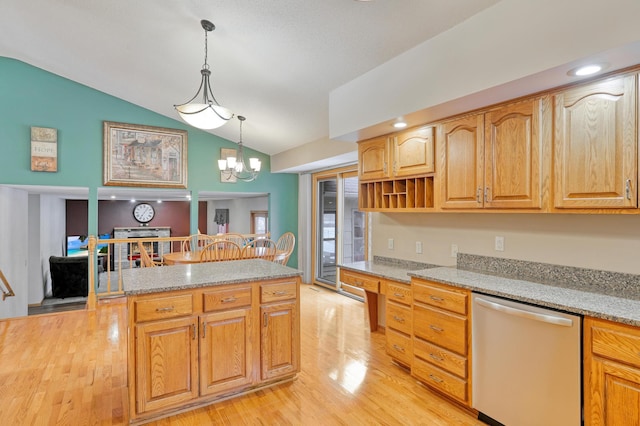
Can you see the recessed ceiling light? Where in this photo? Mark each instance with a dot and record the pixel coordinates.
(399, 124)
(585, 70)
(159, 201)
(113, 197)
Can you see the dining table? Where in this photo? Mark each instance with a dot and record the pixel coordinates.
(181, 257)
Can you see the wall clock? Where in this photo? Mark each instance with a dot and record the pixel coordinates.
(143, 212)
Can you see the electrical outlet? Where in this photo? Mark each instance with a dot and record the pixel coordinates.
(499, 244)
(419, 247)
(390, 244)
(454, 250)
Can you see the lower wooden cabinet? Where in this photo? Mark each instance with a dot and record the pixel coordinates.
(611, 374)
(166, 363)
(191, 347)
(399, 322)
(441, 338)
(226, 360)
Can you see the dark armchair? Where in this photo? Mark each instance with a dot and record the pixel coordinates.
(69, 276)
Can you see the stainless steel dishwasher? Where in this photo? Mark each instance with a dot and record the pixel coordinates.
(526, 364)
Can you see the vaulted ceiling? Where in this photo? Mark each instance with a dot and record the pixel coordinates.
(274, 61)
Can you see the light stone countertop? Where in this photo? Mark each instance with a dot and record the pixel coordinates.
(182, 277)
(590, 303)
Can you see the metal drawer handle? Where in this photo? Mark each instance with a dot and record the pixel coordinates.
(280, 293)
(436, 298)
(398, 319)
(358, 283)
(398, 348)
(435, 378)
(436, 357)
(165, 309)
(229, 299)
(399, 295)
(436, 328)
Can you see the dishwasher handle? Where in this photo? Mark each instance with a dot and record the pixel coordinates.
(551, 319)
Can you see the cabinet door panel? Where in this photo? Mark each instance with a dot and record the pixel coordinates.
(225, 351)
(513, 146)
(413, 152)
(462, 146)
(373, 159)
(280, 340)
(167, 363)
(595, 146)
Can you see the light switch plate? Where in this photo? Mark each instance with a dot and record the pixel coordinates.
(499, 244)
(419, 247)
(390, 244)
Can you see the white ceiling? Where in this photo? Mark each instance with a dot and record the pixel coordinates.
(274, 62)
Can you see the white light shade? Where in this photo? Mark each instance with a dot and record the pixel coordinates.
(222, 164)
(254, 164)
(204, 116)
(231, 162)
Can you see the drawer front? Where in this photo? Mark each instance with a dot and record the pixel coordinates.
(399, 317)
(619, 343)
(441, 297)
(278, 291)
(439, 379)
(163, 307)
(226, 299)
(441, 357)
(399, 293)
(364, 282)
(442, 328)
(399, 347)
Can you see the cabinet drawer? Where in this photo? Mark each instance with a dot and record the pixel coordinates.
(443, 328)
(440, 379)
(278, 291)
(440, 296)
(399, 346)
(399, 317)
(163, 307)
(226, 299)
(399, 293)
(440, 357)
(365, 282)
(616, 342)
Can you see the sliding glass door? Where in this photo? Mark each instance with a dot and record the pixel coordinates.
(339, 227)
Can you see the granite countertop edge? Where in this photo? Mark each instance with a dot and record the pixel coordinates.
(626, 311)
(184, 277)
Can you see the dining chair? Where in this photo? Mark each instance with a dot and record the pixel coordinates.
(285, 245)
(239, 239)
(220, 250)
(200, 240)
(145, 259)
(262, 248)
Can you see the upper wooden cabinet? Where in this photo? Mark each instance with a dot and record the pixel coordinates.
(412, 152)
(595, 146)
(373, 159)
(493, 160)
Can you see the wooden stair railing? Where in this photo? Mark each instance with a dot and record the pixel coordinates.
(7, 291)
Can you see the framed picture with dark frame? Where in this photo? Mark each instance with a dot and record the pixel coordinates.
(137, 155)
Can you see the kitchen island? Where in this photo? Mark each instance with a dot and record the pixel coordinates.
(205, 332)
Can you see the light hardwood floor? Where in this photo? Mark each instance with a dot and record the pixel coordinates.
(70, 369)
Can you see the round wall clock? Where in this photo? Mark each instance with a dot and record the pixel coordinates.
(143, 212)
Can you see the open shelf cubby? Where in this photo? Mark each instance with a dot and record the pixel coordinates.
(397, 194)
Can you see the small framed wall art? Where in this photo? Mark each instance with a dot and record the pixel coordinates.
(44, 149)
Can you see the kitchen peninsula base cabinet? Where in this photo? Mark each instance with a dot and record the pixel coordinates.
(194, 346)
(612, 374)
(399, 322)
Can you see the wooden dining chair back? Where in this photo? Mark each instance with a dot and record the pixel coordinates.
(285, 245)
(220, 250)
(145, 260)
(200, 241)
(262, 248)
(239, 239)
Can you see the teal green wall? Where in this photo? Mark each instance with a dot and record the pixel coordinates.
(30, 97)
